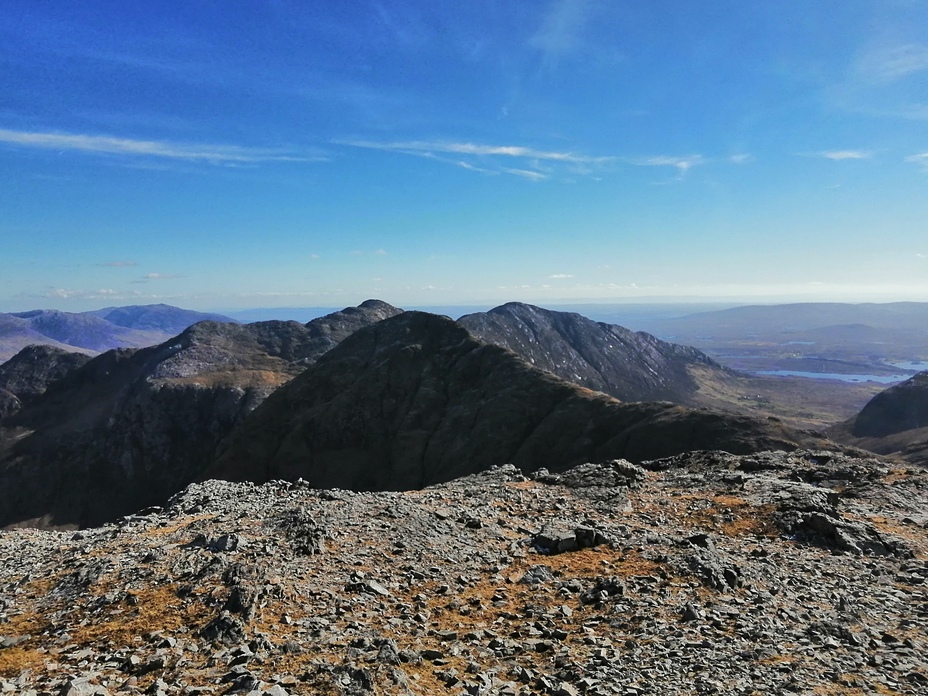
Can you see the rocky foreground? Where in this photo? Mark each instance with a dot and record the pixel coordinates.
(706, 573)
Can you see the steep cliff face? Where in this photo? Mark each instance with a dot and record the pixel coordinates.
(131, 427)
(612, 359)
(415, 400)
(895, 421)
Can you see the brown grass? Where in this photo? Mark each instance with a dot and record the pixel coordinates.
(719, 513)
(25, 656)
(233, 377)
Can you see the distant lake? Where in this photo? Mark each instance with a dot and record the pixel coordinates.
(882, 379)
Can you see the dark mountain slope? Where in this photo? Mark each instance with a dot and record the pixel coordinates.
(612, 359)
(29, 373)
(416, 400)
(133, 426)
(894, 421)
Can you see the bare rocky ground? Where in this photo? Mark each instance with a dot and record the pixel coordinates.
(706, 573)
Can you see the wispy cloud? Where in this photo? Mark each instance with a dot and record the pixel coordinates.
(118, 264)
(102, 294)
(890, 63)
(681, 164)
(561, 275)
(920, 159)
(69, 294)
(741, 158)
(108, 145)
(560, 31)
(471, 167)
(534, 164)
(161, 276)
(526, 173)
(411, 146)
(838, 155)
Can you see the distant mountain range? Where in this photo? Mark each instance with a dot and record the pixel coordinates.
(367, 397)
(96, 331)
(823, 337)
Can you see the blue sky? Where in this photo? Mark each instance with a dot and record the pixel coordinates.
(223, 155)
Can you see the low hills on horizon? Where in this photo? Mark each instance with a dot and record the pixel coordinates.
(134, 326)
(369, 397)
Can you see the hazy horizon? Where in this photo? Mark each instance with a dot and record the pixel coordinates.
(282, 154)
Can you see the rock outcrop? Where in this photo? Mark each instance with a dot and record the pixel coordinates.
(707, 574)
(631, 366)
(131, 427)
(416, 400)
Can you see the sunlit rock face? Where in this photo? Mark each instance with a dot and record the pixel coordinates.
(631, 366)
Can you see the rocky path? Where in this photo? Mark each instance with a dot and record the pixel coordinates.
(775, 573)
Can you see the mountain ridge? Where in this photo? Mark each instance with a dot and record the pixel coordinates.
(631, 366)
(131, 426)
(416, 399)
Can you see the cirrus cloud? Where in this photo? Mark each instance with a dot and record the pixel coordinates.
(108, 145)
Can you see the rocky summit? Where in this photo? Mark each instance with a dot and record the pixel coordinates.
(704, 573)
(631, 366)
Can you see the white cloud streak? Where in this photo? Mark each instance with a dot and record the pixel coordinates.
(424, 146)
(838, 155)
(107, 145)
(681, 164)
(526, 174)
(67, 294)
(921, 160)
(895, 62)
(534, 164)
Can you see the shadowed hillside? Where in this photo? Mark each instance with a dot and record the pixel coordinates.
(895, 421)
(132, 426)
